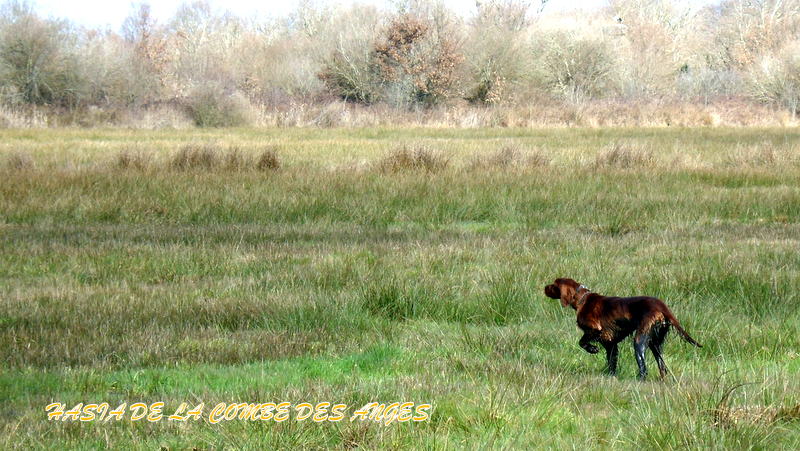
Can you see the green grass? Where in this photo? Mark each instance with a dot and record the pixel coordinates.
(330, 279)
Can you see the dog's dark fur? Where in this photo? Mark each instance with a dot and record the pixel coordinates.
(609, 320)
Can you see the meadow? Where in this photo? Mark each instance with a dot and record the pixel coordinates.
(397, 264)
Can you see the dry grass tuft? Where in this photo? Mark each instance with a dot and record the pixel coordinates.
(788, 413)
(511, 157)
(235, 160)
(405, 158)
(726, 416)
(130, 158)
(761, 155)
(624, 156)
(20, 162)
(213, 157)
(196, 156)
(268, 160)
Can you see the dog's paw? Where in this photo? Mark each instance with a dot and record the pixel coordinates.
(591, 349)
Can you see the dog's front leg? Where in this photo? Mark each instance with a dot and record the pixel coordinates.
(588, 337)
(611, 357)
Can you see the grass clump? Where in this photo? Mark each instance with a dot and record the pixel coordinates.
(213, 157)
(20, 162)
(624, 156)
(763, 154)
(392, 300)
(413, 158)
(130, 158)
(268, 160)
(196, 156)
(511, 157)
(234, 159)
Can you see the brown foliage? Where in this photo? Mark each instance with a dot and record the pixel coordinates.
(412, 53)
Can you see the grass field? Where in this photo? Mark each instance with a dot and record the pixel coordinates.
(171, 266)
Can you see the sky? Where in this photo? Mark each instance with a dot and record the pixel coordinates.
(111, 13)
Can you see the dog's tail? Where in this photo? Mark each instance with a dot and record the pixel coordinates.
(677, 325)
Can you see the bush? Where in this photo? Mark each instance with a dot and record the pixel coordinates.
(351, 77)
(349, 71)
(417, 62)
(38, 60)
(496, 52)
(212, 106)
(776, 80)
(576, 67)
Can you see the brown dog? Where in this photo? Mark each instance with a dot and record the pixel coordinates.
(610, 320)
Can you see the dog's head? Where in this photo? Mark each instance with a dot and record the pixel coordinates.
(563, 289)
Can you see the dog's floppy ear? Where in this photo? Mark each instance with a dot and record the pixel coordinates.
(567, 294)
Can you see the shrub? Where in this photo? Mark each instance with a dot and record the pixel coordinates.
(495, 53)
(350, 77)
(416, 62)
(776, 80)
(413, 159)
(210, 105)
(38, 60)
(576, 67)
(349, 71)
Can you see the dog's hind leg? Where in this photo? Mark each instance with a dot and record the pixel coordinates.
(611, 357)
(640, 342)
(657, 335)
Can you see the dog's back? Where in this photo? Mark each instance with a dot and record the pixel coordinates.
(623, 316)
